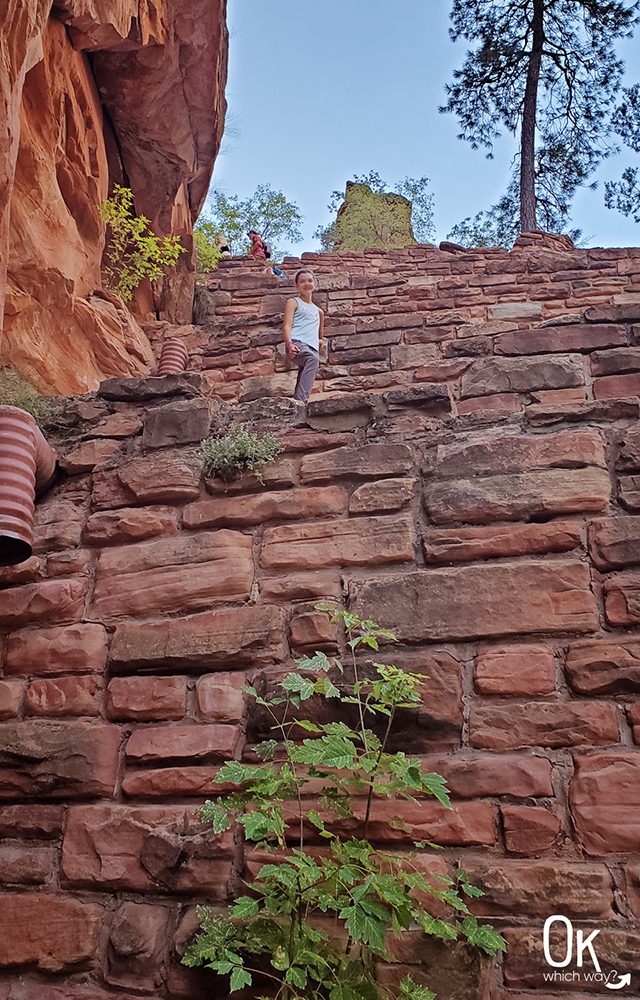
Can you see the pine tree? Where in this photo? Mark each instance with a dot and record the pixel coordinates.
(625, 193)
(547, 71)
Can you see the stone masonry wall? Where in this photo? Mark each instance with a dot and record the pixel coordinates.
(483, 505)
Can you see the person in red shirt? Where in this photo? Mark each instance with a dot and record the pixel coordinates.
(257, 246)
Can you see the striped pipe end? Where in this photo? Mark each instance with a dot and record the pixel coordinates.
(174, 357)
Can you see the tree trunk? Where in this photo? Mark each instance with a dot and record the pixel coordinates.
(528, 135)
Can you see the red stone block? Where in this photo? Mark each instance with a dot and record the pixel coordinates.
(615, 362)
(503, 402)
(51, 931)
(582, 337)
(548, 397)
(220, 697)
(296, 504)
(384, 495)
(57, 759)
(538, 888)
(159, 478)
(87, 455)
(499, 374)
(63, 696)
(614, 542)
(11, 694)
(147, 698)
(73, 563)
(183, 742)
(515, 670)
(529, 829)
(474, 776)
(605, 802)
(367, 461)
(445, 545)
(518, 496)
(632, 878)
(501, 453)
(543, 723)
(69, 649)
(25, 572)
(622, 599)
(137, 945)
(169, 782)
(633, 715)
(130, 524)
(604, 666)
(469, 602)
(468, 823)
(313, 628)
(34, 822)
(356, 542)
(233, 637)
(144, 849)
(174, 574)
(50, 601)
(27, 864)
(301, 586)
(616, 386)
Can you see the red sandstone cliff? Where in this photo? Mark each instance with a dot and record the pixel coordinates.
(96, 92)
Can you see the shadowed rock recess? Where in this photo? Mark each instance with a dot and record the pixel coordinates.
(97, 93)
(467, 473)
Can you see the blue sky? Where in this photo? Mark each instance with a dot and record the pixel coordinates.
(320, 90)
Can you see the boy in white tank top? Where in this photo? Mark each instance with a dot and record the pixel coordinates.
(302, 330)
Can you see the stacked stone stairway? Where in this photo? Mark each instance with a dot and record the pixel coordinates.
(476, 489)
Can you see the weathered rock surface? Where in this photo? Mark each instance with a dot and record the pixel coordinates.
(60, 760)
(473, 601)
(515, 670)
(518, 497)
(144, 849)
(547, 724)
(162, 575)
(67, 649)
(59, 155)
(445, 545)
(361, 542)
(605, 802)
(578, 891)
(604, 666)
(216, 639)
(52, 932)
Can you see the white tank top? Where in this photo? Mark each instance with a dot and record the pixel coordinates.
(306, 324)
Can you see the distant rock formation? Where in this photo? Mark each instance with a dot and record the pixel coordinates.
(369, 218)
(97, 92)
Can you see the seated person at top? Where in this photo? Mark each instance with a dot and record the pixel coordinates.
(302, 330)
(257, 246)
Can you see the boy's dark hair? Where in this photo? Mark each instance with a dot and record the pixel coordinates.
(253, 231)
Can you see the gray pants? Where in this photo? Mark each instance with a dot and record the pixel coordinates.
(307, 361)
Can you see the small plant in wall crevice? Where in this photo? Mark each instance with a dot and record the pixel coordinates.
(318, 920)
(239, 450)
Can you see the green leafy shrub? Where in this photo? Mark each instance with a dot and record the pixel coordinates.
(205, 238)
(133, 251)
(277, 932)
(16, 390)
(238, 451)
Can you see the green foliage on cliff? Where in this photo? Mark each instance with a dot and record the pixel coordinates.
(133, 251)
(240, 450)
(316, 923)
